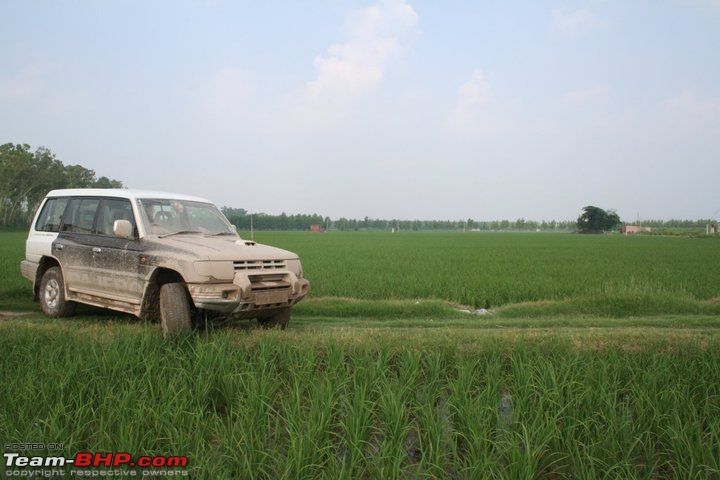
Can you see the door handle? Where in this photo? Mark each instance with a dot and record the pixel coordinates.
(97, 250)
(59, 246)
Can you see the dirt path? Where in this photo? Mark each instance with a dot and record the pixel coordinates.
(10, 314)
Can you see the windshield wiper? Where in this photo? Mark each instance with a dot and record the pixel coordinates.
(220, 233)
(178, 233)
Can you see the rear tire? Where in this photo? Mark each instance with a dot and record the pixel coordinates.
(279, 320)
(52, 294)
(175, 314)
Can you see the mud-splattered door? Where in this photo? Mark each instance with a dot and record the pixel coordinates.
(115, 259)
(74, 243)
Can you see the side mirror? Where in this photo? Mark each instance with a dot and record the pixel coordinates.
(123, 229)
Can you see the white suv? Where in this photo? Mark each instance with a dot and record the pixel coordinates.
(153, 255)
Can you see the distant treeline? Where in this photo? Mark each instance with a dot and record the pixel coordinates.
(466, 225)
(26, 176)
(243, 220)
(673, 224)
(263, 221)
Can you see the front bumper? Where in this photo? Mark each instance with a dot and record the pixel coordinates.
(250, 293)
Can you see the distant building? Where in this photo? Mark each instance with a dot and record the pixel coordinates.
(316, 228)
(633, 229)
(711, 228)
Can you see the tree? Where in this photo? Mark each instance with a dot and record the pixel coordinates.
(77, 176)
(25, 178)
(105, 182)
(597, 220)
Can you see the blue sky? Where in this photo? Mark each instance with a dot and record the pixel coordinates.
(388, 109)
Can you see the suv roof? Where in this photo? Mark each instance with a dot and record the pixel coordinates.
(122, 193)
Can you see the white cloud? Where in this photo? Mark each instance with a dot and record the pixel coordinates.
(388, 18)
(475, 92)
(351, 70)
(571, 24)
(585, 95)
(475, 110)
(688, 102)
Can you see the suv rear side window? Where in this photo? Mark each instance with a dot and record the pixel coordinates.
(51, 215)
(80, 215)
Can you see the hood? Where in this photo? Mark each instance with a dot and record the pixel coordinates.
(199, 247)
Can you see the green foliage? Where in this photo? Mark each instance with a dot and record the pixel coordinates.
(493, 269)
(411, 275)
(354, 389)
(25, 178)
(15, 291)
(255, 404)
(597, 220)
(242, 219)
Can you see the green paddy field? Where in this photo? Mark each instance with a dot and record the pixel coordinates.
(418, 355)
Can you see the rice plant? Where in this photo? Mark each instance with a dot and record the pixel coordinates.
(257, 404)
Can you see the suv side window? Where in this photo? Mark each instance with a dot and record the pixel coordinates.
(51, 215)
(80, 215)
(112, 209)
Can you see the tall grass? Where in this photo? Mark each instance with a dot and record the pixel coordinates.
(15, 291)
(496, 269)
(588, 275)
(526, 393)
(281, 405)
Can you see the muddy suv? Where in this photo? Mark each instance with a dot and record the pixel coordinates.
(155, 255)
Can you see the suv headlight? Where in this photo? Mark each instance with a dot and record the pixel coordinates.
(295, 266)
(217, 269)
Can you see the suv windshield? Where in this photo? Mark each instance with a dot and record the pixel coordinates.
(169, 216)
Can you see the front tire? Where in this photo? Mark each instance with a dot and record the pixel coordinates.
(175, 314)
(278, 320)
(52, 294)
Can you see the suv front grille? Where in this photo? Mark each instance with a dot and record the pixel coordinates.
(269, 289)
(259, 264)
